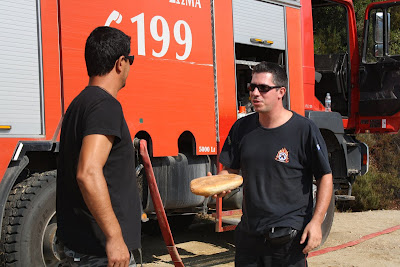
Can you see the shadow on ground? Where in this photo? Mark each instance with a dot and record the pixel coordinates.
(198, 245)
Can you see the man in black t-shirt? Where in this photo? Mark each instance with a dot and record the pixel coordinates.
(98, 209)
(278, 152)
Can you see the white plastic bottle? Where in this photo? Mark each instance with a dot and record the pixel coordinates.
(328, 103)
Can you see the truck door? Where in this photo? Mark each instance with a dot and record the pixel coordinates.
(332, 53)
(379, 104)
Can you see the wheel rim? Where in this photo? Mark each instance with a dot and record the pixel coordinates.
(50, 253)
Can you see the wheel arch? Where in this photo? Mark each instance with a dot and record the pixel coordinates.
(332, 130)
(187, 143)
(34, 156)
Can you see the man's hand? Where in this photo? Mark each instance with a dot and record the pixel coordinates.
(117, 252)
(223, 193)
(314, 234)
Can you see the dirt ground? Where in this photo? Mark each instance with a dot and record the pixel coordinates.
(383, 250)
(201, 246)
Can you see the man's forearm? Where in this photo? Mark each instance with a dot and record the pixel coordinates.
(313, 232)
(97, 198)
(92, 183)
(324, 195)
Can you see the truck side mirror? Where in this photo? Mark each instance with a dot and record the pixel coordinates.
(378, 34)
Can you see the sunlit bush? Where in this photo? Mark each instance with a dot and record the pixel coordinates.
(380, 187)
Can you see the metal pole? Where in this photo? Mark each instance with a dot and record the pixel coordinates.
(158, 206)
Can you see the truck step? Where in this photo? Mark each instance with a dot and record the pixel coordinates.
(344, 198)
(352, 143)
(232, 219)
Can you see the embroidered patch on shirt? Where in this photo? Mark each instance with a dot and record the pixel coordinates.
(282, 156)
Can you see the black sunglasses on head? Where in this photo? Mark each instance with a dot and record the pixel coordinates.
(130, 58)
(262, 88)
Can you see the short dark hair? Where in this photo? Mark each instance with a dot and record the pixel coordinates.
(278, 73)
(103, 47)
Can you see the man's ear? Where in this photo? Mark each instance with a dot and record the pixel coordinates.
(119, 63)
(282, 92)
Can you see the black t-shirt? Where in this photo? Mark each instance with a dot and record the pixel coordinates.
(95, 111)
(277, 166)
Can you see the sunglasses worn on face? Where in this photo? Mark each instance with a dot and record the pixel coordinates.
(130, 58)
(262, 88)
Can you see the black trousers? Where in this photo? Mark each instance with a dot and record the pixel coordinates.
(254, 251)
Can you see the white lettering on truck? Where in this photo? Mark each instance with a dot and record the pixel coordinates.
(164, 36)
(192, 3)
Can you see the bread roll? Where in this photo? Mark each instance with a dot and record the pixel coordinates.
(216, 184)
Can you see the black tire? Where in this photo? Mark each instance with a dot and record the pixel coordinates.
(29, 223)
(328, 220)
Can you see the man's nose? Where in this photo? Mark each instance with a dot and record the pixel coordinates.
(255, 91)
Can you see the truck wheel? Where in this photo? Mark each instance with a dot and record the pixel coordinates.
(29, 223)
(327, 223)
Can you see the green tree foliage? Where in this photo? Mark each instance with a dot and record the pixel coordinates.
(359, 9)
(380, 187)
(330, 27)
(394, 43)
(375, 190)
(384, 151)
(329, 23)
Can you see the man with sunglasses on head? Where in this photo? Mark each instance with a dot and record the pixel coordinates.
(98, 209)
(278, 153)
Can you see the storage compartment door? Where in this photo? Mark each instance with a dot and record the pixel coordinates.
(259, 23)
(21, 110)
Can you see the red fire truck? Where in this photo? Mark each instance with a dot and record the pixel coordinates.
(193, 60)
